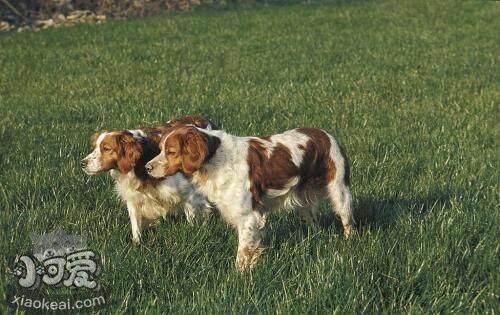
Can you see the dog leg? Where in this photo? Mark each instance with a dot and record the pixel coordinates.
(263, 220)
(341, 199)
(135, 221)
(248, 241)
(189, 211)
(194, 205)
(308, 214)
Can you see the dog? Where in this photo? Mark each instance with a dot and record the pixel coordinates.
(244, 177)
(124, 153)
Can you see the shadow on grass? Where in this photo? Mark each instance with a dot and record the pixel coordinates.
(369, 212)
(382, 213)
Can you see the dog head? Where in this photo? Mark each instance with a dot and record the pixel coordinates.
(112, 150)
(183, 150)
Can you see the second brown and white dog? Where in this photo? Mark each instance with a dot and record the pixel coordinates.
(246, 176)
(125, 153)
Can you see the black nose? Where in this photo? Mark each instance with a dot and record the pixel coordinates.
(83, 163)
(149, 168)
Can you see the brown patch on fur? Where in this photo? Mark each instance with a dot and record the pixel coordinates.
(198, 121)
(129, 152)
(257, 157)
(195, 150)
(155, 133)
(331, 170)
(317, 168)
(187, 149)
(268, 172)
(321, 142)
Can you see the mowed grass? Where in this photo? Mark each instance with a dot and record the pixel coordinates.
(411, 90)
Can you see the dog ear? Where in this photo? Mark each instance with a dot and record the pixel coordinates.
(197, 148)
(130, 152)
(194, 152)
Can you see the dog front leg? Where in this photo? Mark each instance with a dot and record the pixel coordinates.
(248, 241)
(194, 205)
(135, 222)
(189, 211)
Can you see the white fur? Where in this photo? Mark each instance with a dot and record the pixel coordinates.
(94, 158)
(138, 134)
(339, 193)
(224, 180)
(146, 203)
(292, 139)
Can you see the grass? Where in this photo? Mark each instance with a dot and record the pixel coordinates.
(411, 89)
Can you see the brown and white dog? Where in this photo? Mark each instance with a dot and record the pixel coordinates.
(246, 176)
(125, 153)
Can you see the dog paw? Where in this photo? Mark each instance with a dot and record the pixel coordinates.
(136, 240)
(349, 231)
(190, 218)
(247, 258)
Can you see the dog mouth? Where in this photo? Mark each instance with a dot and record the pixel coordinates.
(153, 172)
(89, 172)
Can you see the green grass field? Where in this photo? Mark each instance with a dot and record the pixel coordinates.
(411, 89)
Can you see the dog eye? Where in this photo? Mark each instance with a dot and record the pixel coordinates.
(107, 149)
(171, 152)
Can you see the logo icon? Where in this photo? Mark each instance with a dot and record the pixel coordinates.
(58, 259)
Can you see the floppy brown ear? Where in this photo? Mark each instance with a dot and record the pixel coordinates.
(130, 153)
(197, 148)
(194, 152)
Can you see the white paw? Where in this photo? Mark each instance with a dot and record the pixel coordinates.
(136, 240)
(247, 258)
